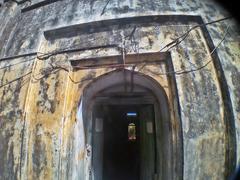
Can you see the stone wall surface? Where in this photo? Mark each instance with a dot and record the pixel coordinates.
(42, 134)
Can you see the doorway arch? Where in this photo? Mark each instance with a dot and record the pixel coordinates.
(125, 87)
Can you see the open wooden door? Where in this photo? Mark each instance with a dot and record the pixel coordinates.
(147, 143)
(97, 140)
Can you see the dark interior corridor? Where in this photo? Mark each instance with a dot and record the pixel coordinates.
(121, 157)
(124, 142)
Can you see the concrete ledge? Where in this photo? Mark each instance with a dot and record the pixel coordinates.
(107, 25)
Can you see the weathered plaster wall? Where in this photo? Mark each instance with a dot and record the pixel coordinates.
(13, 98)
(39, 127)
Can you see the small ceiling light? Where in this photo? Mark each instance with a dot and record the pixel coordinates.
(131, 114)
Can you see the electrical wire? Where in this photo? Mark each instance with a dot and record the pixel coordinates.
(31, 59)
(172, 44)
(104, 8)
(179, 72)
(45, 75)
(181, 38)
(23, 83)
(4, 67)
(41, 57)
(14, 80)
(45, 56)
(19, 2)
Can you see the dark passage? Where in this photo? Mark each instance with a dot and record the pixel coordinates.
(121, 154)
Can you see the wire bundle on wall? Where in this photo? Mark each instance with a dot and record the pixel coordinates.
(54, 69)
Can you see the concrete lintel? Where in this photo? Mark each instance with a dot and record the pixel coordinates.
(118, 60)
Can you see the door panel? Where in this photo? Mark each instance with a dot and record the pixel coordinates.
(98, 137)
(147, 142)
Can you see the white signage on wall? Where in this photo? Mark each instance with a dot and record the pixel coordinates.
(149, 127)
(98, 124)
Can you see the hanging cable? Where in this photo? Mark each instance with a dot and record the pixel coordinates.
(18, 2)
(45, 56)
(104, 8)
(179, 72)
(4, 67)
(177, 41)
(170, 45)
(181, 38)
(197, 69)
(169, 72)
(14, 80)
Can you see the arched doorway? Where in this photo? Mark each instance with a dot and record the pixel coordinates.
(127, 124)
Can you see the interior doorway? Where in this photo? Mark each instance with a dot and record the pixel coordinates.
(121, 146)
(124, 141)
(121, 152)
